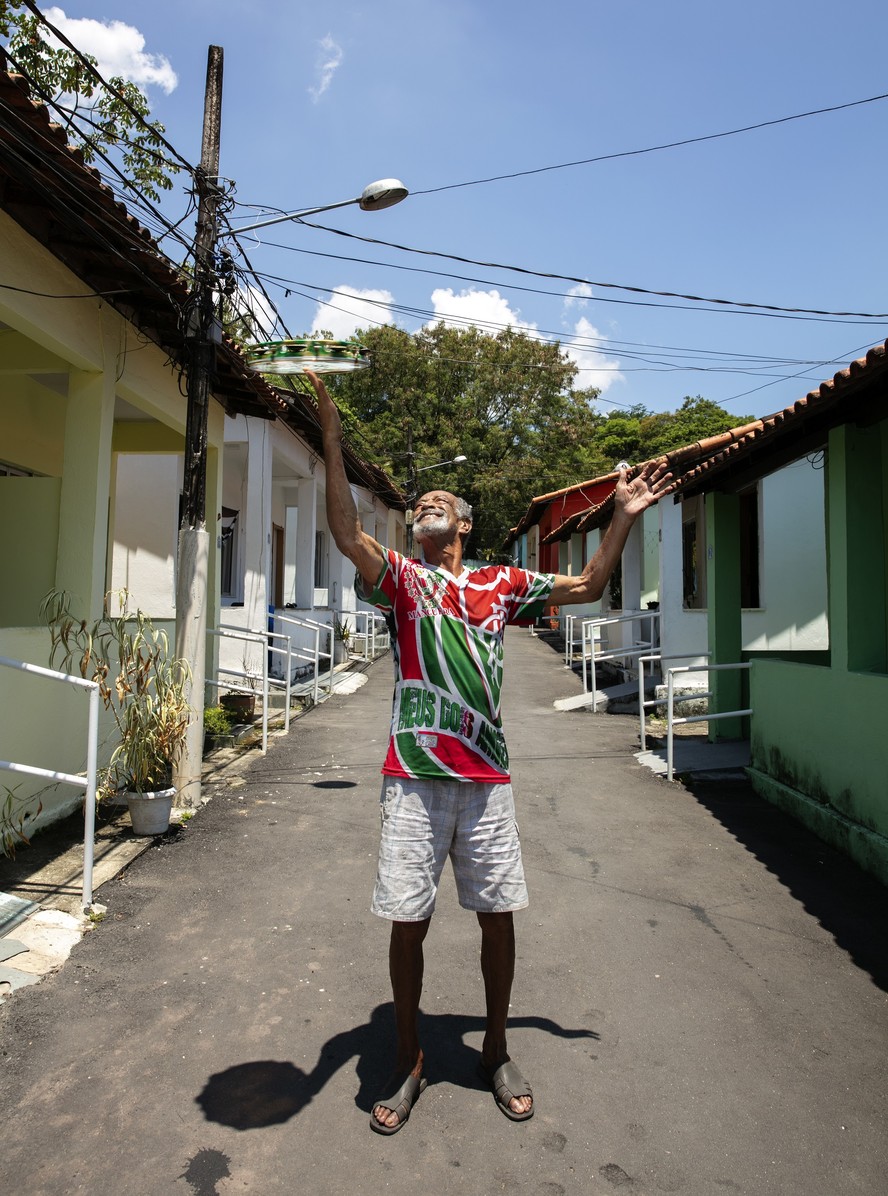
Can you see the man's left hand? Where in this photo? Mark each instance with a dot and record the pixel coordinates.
(634, 495)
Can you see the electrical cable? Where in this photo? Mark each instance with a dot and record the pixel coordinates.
(544, 336)
(651, 149)
(452, 257)
(131, 190)
(93, 70)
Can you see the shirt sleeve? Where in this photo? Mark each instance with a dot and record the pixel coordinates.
(382, 595)
(530, 594)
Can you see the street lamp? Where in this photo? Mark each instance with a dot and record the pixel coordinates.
(193, 547)
(384, 193)
(457, 460)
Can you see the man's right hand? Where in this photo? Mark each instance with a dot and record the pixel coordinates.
(327, 409)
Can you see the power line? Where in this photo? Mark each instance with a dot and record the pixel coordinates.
(512, 286)
(92, 69)
(130, 189)
(84, 213)
(652, 149)
(567, 342)
(767, 308)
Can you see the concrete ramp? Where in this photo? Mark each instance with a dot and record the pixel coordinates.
(623, 697)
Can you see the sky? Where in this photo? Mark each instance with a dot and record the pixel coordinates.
(320, 100)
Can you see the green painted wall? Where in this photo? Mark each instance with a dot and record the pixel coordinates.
(857, 547)
(818, 743)
(819, 750)
(724, 625)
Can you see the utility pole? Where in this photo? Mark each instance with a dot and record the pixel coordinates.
(193, 556)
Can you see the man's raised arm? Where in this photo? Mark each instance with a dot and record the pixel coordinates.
(631, 499)
(342, 514)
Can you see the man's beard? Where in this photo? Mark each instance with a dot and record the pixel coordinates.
(430, 527)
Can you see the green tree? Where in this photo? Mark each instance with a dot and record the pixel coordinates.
(506, 402)
(696, 419)
(636, 434)
(115, 117)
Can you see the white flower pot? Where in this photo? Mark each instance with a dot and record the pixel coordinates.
(150, 812)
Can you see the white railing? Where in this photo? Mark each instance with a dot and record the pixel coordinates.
(643, 705)
(567, 624)
(371, 633)
(248, 680)
(591, 638)
(315, 653)
(268, 681)
(88, 783)
(672, 721)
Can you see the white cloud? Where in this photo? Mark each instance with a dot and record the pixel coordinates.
(119, 49)
(577, 295)
(349, 309)
(596, 369)
(328, 63)
(487, 310)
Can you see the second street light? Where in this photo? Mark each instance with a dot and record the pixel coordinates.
(412, 490)
(193, 549)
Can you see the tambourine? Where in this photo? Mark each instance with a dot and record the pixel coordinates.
(297, 356)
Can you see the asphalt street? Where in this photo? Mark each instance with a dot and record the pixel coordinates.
(700, 999)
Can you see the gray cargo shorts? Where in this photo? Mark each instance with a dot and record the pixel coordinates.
(423, 822)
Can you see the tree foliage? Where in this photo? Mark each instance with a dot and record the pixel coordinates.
(507, 403)
(504, 401)
(637, 434)
(100, 118)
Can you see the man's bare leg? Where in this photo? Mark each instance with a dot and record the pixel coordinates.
(406, 969)
(498, 970)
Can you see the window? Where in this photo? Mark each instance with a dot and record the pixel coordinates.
(693, 554)
(228, 553)
(320, 560)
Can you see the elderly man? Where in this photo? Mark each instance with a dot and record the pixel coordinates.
(446, 789)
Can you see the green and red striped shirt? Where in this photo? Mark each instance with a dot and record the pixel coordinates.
(448, 655)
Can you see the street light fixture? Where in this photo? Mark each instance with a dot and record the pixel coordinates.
(384, 193)
(453, 461)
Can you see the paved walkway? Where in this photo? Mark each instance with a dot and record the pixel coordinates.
(700, 1001)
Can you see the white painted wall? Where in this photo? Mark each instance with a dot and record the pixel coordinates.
(145, 529)
(792, 616)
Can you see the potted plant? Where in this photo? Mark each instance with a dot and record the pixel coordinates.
(142, 686)
(341, 640)
(241, 703)
(217, 728)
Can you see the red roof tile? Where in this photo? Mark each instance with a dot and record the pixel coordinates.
(741, 455)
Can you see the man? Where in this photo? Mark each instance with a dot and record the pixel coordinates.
(446, 789)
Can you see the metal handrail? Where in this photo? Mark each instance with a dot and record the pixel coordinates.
(693, 718)
(315, 655)
(284, 682)
(249, 637)
(88, 783)
(590, 626)
(644, 705)
(372, 635)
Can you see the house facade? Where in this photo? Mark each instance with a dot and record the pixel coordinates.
(93, 363)
(817, 742)
(773, 552)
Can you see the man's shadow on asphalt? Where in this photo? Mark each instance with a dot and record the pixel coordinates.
(267, 1092)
